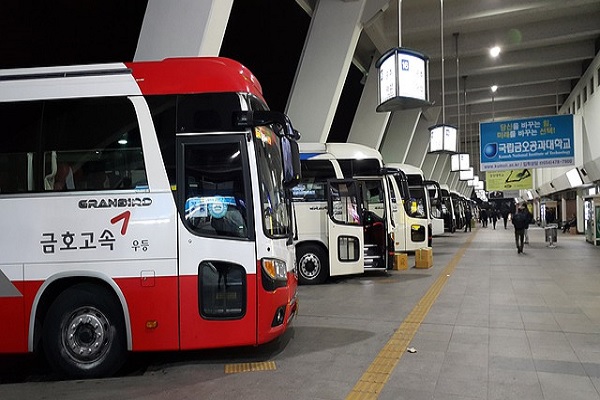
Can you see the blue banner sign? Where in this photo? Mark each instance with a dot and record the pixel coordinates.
(538, 142)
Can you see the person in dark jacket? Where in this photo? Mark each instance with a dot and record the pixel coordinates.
(483, 217)
(495, 217)
(570, 223)
(468, 219)
(505, 213)
(520, 221)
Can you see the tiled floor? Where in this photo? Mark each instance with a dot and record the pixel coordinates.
(510, 326)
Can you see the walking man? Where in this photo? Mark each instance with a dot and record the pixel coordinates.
(468, 218)
(520, 221)
(483, 216)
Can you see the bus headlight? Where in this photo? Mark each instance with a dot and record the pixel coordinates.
(274, 274)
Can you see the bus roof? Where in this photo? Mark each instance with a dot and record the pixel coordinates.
(406, 168)
(341, 150)
(169, 76)
(194, 75)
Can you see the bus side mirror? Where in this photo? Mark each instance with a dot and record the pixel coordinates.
(289, 137)
(291, 162)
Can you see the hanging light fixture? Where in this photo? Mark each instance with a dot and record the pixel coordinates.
(466, 175)
(460, 161)
(403, 77)
(443, 136)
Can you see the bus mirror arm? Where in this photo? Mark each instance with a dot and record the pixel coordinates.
(259, 118)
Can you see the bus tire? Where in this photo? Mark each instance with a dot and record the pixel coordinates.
(313, 264)
(84, 333)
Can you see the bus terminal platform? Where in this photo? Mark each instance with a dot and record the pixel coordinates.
(483, 323)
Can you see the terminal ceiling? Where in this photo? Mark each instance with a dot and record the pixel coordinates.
(546, 46)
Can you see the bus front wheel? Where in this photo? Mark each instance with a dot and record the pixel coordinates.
(313, 266)
(84, 333)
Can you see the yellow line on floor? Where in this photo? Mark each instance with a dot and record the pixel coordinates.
(377, 374)
(250, 367)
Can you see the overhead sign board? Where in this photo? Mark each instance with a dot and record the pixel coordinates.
(539, 142)
(403, 80)
(513, 179)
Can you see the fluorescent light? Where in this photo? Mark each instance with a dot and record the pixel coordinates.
(574, 178)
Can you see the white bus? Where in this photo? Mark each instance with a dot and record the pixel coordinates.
(342, 212)
(418, 203)
(435, 199)
(448, 210)
(406, 234)
(144, 207)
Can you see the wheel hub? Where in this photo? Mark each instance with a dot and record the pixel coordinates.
(309, 265)
(86, 334)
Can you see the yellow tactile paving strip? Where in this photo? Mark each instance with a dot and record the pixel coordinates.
(377, 374)
(250, 367)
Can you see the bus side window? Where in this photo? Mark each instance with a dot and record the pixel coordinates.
(315, 174)
(91, 144)
(19, 138)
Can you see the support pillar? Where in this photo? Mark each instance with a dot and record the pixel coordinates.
(182, 28)
(330, 45)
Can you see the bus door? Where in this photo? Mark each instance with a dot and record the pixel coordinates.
(217, 254)
(377, 222)
(345, 227)
(398, 214)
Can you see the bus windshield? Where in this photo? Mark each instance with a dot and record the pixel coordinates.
(418, 202)
(275, 207)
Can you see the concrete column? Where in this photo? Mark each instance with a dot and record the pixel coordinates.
(368, 126)
(429, 165)
(563, 210)
(420, 143)
(328, 51)
(182, 28)
(399, 135)
(580, 212)
(442, 169)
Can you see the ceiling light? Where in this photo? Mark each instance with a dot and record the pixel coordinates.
(495, 51)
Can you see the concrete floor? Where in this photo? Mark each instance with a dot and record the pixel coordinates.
(502, 325)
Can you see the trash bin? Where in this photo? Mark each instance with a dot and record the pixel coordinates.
(551, 235)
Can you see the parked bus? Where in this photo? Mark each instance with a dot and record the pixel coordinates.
(459, 204)
(435, 197)
(418, 203)
(388, 193)
(342, 212)
(145, 207)
(448, 209)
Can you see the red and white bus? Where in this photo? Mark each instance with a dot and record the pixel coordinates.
(144, 206)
